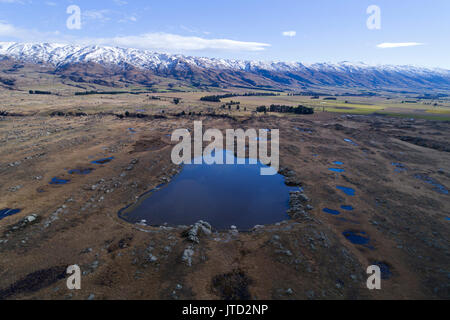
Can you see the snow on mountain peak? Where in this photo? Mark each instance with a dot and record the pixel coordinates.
(60, 54)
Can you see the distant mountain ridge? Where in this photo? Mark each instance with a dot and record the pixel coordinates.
(226, 72)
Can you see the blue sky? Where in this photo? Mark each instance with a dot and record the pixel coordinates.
(291, 30)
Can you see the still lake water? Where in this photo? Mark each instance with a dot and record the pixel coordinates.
(223, 195)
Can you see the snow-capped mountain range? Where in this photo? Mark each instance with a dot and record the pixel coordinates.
(290, 74)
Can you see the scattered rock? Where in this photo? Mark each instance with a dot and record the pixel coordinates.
(296, 202)
(25, 222)
(187, 256)
(31, 218)
(14, 189)
(193, 234)
(290, 178)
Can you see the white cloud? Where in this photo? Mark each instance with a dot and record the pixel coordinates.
(131, 18)
(149, 41)
(97, 14)
(398, 44)
(289, 33)
(193, 30)
(11, 1)
(120, 2)
(174, 42)
(9, 30)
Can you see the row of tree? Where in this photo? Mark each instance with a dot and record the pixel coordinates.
(286, 109)
(217, 98)
(39, 92)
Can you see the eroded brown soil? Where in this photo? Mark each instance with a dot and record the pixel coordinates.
(304, 258)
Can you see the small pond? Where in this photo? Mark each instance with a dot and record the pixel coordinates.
(8, 212)
(331, 211)
(83, 171)
(338, 170)
(59, 181)
(103, 160)
(223, 195)
(356, 237)
(348, 191)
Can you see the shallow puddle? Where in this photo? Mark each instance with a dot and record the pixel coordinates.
(331, 211)
(8, 212)
(80, 171)
(351, 142)
(385, 270)
(346, 190)
(102, 161)
(59, 181)
(437, 186)
(223, 195)
(336, 170)
(348, 208)
(357, 237)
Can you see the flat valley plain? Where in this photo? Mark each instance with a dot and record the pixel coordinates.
(395, 155)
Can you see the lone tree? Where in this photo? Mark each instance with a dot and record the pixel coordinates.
(176, 100)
